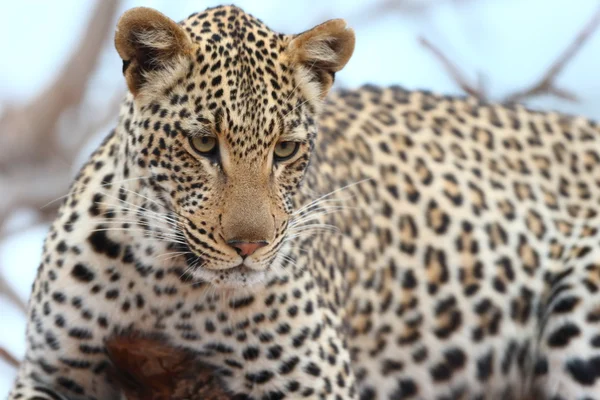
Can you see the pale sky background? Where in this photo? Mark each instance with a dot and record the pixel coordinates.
(511, 42)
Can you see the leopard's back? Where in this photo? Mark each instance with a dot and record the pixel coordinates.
(467, 232)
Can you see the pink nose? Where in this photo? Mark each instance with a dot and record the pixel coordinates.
(245, 249)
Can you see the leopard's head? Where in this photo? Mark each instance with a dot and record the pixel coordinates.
(223, 118)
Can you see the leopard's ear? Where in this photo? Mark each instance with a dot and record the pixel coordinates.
(323, 51)
(148, 42)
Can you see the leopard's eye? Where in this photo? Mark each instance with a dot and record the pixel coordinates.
(285, 150)
(205, 145)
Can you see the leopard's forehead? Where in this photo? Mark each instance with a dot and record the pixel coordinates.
(241, 81)
(229, 23)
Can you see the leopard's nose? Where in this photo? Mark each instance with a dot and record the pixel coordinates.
(246, 249)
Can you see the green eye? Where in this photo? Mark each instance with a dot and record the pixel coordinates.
(205, 145)
(285, 150)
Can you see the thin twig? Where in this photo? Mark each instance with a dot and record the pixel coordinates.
(453, 70)
(547, 85)
(9, 358)
(378, 9)
(7, 291)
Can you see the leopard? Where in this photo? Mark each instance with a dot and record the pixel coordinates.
(319, 243)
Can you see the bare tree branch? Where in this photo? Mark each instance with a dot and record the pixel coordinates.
(35, 161)
(9, 358)
(386, 7)
(27, 132)
(453, 70)
(546, 85)
(7, 291)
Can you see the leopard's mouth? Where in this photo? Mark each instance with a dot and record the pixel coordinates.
(240, 275)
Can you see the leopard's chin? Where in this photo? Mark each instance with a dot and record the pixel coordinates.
(232, 278)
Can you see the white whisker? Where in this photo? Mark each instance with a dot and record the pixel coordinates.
(148, 233)
(320, 94)
(144, 212)
(95, 186)
(316, 215)
(332, 193)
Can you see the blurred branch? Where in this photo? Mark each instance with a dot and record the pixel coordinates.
(544, 86)
(547, 85)
(9, 358)
(453, 70)
(7, 291)
(35, 159)
(27, 132)
(386, 7)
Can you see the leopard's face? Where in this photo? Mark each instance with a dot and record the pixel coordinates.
(228, 168)
(226, 129)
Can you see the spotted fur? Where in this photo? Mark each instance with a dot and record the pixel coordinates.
(464, 265)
